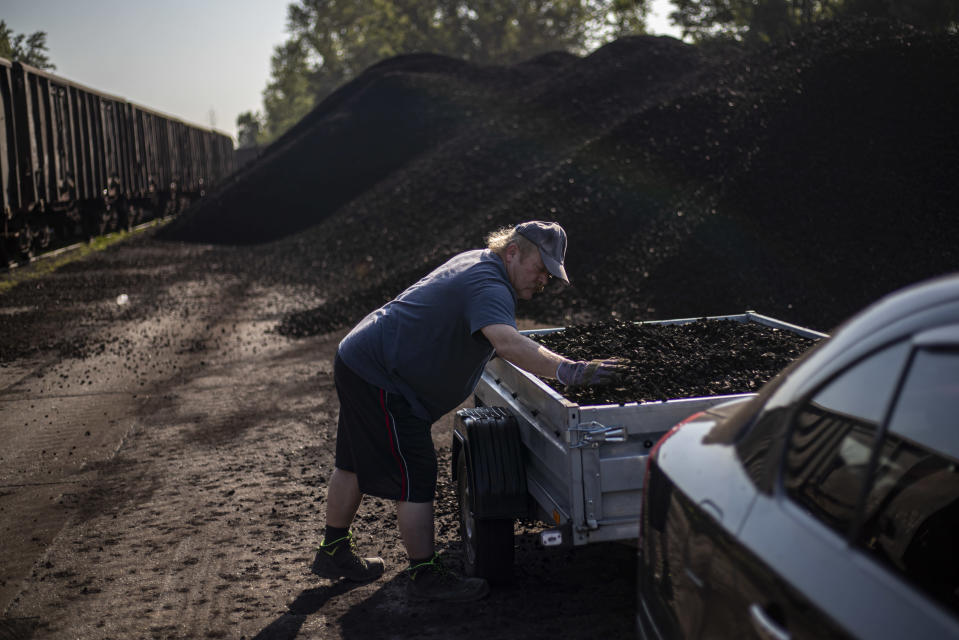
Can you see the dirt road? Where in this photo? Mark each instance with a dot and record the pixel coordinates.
(164, 467)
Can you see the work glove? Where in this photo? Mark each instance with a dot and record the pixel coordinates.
(594, 372)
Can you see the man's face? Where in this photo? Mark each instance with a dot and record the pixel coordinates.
(527, 273)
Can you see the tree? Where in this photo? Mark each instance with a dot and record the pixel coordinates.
(937, 16)
(617, 19)
(769, 20)
(332, 41)
(248, 126)
(749, 20)
(31, 50)
(291, 92)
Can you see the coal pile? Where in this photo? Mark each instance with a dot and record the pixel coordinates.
(804, 179)
(375, 126)
(669, 361)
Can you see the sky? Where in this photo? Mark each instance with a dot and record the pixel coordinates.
(203, 61)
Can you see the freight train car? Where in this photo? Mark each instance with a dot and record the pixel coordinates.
(76, 162)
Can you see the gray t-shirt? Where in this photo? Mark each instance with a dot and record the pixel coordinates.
(427, 344)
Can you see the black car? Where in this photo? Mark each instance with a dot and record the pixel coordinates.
(825, 506)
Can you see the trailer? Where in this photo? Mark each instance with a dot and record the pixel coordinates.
(525, 451)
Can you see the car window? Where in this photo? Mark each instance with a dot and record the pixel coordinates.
(833, 434)
(927, 409)
(911, 515)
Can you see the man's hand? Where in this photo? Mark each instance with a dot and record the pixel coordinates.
(594, 372)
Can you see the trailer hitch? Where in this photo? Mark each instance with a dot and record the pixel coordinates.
(593, 433)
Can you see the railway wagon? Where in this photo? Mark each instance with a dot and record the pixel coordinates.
(76, 162)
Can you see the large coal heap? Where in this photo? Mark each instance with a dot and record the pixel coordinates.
(803, 180)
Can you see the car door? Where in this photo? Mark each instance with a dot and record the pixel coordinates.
(794, 538)
(909, 524)
(804, 563)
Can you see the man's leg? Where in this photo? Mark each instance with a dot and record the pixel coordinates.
(337, 556)
(416, 529)
(429, 579)
(342, 499)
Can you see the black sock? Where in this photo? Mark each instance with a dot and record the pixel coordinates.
(332, 534)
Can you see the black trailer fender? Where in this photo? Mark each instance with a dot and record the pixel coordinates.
(489, 436)
(490, 480)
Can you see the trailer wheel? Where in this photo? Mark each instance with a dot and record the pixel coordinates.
(487, 543)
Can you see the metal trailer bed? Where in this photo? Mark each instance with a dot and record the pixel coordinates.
(527, 451)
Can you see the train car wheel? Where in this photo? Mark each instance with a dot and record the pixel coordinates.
(25, 242)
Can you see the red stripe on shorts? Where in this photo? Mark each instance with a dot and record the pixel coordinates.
(396, 455)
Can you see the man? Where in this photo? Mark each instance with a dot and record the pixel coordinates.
(410, 362)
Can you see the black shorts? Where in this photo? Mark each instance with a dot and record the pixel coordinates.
(380, 440)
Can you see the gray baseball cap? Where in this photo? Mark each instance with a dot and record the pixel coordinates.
(551, 240)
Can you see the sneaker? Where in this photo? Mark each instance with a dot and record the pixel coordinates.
(432, 581)
(338, 559)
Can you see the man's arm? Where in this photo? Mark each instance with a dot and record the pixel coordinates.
(525, 353)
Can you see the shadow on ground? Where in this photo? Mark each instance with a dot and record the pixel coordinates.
(310, 601)
(547, 599)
